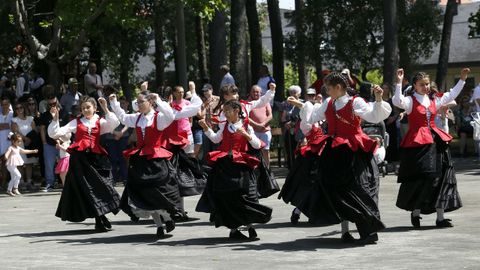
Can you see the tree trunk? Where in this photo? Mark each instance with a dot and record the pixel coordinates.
(96, 54)
(317, 33)
(238, 43)
(159, 26)
(390, 42)
(277, 48)
(442, 67)
(125, 66)
(201, 48)
(300, 49)
(217, 35)
(55, 76)
(404, 60)
(256, 49)
(181, 54)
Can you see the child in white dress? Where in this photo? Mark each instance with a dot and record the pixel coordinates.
(14, 159)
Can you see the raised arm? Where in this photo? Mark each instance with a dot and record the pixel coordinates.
(455, 91)
(54, 129)
(165, 114)
(398, 98)
(305, 115)
(189, 110)
(110, 122)
(128, 120)
(214, 137)
(265, 98)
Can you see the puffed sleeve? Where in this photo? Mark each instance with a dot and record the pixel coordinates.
(318, 112)
(128, 120)
(109, 124)
(165, 116)
(400, 100)
(215, 137)
(264, 100)
(255, 141)
(190, 110)
(305, 115)
(55, 131)
(373, 112)
(452, 95)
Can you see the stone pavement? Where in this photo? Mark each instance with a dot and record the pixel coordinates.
(31, 237)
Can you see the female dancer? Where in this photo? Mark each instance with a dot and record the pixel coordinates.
(231, 196)
(345, 175)
(178, 139)
(88, 190)
(151, 188)
(426, 173)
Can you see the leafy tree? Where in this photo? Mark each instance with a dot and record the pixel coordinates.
(474, 26)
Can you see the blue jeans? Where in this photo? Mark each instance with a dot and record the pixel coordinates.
(50, 154)
(115, 154)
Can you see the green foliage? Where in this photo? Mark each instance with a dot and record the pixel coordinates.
(474, 24)
(375, 76)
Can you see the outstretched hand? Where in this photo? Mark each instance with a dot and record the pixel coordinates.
(295, 102)
(378, 91)
(54, 112)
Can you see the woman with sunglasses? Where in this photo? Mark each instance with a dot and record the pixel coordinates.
(23, 124)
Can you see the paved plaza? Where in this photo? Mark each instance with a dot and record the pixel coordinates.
(31, 237)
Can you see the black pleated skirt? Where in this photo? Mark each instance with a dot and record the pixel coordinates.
(191, 176)
(266, 182)
(88, 190)
(338, 185)
(151, 185)
(231, 196)
(427, 178)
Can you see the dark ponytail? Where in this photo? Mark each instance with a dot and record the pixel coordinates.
(235, 104)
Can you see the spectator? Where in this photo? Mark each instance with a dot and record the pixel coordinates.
(476, 98)
(291, 124)
(184, 125)
(117, 142)
(210, 101)
(9, 93)
(93, 82)
(50, 152)
(7, 77)
(318, 84)
(5, 120)
(259, 119)
(23, 85)
(36, 84)
(264, 79)
(71, 97)
(22, 124)
(47, 91)
(464, 128)
(227, 77)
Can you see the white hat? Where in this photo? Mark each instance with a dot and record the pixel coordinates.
(311, 91)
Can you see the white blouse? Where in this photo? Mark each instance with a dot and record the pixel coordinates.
(372, 112)
(189, 110)
(262, 101)
(107, 125)
(232, 128)
(406, 102)
(164, 119)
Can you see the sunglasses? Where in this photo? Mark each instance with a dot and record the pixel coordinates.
(31, 104)
(18, 108)
(52, 104)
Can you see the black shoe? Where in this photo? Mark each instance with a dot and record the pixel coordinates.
(99, 226)
(106, 222)
(134, 218)
(252, 234)
(160, 233)
(371, 239)
(170, 225)
(415, 220)
(444, 223)
(294, 218)
(237, 235)
(347, 238)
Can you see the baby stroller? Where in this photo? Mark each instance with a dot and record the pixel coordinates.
(378, 133)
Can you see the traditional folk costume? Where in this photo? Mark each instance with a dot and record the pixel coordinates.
(177, 138)
(231, 195)
(426, 172)
(338, 181)
(151, 188)
(88, 190)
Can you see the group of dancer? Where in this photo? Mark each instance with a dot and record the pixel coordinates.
(334, 180)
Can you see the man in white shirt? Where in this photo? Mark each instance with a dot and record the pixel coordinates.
(93, 82)
(22, 86)
(227, 77)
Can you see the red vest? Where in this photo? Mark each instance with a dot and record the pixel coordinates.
(344, 127)
(149, 145)
(85, 141)
(171, 136)
(236, 145)
(420, 127)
